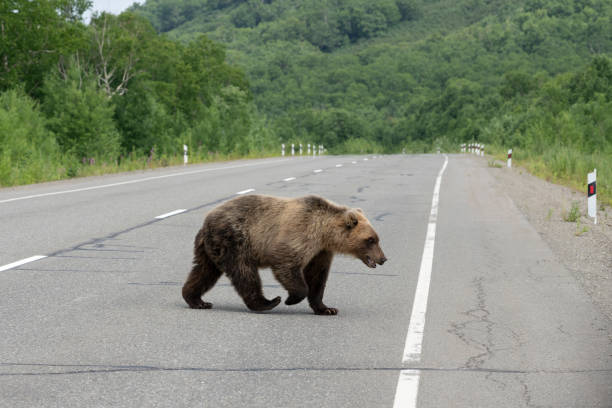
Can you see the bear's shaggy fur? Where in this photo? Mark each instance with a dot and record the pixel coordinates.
(296, 237)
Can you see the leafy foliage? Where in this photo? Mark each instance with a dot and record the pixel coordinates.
(81, 115)
(28, 151)
(34, 35)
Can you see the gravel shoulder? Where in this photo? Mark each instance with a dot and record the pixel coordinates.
(583, 247)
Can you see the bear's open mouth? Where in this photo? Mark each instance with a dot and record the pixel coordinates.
(369, 261)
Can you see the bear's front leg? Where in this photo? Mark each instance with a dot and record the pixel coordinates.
(290, 276)
(316, 273)
(247, 283)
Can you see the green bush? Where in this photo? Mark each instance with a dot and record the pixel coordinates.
(28, 151)
(357, 146)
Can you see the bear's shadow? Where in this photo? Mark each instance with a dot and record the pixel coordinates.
(235, 308)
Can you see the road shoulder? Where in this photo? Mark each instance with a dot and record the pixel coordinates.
(582, 247)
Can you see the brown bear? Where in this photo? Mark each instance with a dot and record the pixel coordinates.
(296, 237)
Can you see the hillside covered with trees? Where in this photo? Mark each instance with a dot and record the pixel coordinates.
(355, 75)
(242, 76)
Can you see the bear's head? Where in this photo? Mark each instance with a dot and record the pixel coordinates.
(360, 239)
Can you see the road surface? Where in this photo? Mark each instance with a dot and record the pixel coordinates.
(471, 310)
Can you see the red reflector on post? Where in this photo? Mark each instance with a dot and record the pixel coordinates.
(592, 189)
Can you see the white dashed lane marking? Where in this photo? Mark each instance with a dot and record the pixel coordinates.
(170, 214)
(289, 179)
(338, 165)
(21, 262)
(248, 190)
(318, 170)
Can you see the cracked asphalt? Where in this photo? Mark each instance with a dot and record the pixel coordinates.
(100, 321)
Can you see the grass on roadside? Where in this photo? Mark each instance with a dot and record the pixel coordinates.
(573, 215)
(566, 166)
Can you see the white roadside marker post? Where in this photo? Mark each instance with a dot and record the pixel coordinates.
(283, 150)
(482, 150)
(300, 149)
(292, 149)
(184, 154)
(509, 158)
(592, 194)
(309, 149)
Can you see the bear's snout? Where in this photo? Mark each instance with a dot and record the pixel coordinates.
(372, 261)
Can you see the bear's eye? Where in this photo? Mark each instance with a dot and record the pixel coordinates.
(371, 241)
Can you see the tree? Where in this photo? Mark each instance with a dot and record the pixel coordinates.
(34, 36)
(80, 115)
(117, 46)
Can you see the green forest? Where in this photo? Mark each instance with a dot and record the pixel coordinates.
(236, 78)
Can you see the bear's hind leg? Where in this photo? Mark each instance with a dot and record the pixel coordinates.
(316, 273)
(247, 282)
(204, 274)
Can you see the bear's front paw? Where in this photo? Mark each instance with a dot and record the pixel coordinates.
(294, 299)
(327, 311)
(261, 304)
(199, 304)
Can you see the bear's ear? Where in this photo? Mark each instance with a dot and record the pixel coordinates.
(350, 219)
(359, 210)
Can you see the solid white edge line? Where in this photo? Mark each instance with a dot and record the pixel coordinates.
(170, 214)
(21, 262)
(407, 390)
(248, 190)
(289, 179)
(317, 170)
(414, 338)
(183, 173)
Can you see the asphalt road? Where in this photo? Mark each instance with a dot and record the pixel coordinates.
(100, 322)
